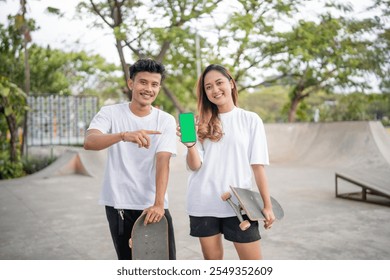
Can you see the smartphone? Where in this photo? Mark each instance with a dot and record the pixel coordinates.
(187, 127)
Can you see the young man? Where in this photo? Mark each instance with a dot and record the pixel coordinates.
(141, 140)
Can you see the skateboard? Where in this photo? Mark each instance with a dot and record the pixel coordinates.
(149, 242)
(251, 203)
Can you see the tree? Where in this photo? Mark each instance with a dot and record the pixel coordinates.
(12, 49)
(244, 36)
(52, 72)
(13, 105)
(334, 53)
(69, 73)
(157, 29)
(383, 41)
(167, 30)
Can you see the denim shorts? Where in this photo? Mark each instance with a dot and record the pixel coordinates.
(229, 227)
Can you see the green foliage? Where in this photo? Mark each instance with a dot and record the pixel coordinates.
(333, 53)
(12, 108)
(9, 169)
(22, 167)
(268, 102)
(34, 164)
(53, 71)
(13, 100)
(272, 105)
(11, 49)
(356, 107)
(310, 58)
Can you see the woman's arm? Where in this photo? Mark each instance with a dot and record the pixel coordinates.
(262, 185)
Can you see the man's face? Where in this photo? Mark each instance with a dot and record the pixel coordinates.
(145, 87)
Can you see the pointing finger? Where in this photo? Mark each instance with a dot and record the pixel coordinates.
(152, 132)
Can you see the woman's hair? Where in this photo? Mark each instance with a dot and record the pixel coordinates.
(209, 123)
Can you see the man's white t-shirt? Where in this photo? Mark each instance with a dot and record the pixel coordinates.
(227, 162)
(129, 179)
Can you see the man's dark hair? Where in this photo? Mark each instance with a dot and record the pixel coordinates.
(147, 65)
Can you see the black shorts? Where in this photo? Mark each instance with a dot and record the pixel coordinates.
(229, 227)
(121, 231)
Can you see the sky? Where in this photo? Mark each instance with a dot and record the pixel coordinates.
(72, 34)
(68, 32)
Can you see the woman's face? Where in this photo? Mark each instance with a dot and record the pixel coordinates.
(219, 90)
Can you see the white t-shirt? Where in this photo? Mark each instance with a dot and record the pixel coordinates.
(129, 179)
(227, 162)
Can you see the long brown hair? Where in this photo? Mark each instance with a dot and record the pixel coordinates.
(209, 123)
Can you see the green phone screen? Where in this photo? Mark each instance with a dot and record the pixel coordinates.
(187, 127)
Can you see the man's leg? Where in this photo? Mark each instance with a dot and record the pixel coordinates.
(121, 230)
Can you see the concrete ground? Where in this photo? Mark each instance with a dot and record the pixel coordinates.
(54, 215)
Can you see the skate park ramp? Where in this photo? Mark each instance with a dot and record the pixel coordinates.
(72, 161)
(358, 152)
(349, 145)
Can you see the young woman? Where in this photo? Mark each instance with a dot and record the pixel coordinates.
(231, 144)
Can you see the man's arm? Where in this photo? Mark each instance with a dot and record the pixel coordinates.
(156, 212)
(96, 140)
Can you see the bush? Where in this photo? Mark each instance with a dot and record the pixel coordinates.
(33, 164)
(26, 166)
(10, 170)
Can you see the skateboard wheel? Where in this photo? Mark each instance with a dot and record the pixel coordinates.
(226, 196)
(130, 243)
(245, 225)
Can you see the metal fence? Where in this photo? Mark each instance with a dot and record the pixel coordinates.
(59, 120)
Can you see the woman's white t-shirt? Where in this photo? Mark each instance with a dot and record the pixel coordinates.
(227, 163)
(129, 179)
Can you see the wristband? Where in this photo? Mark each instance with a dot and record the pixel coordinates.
(191, 145)
(123, 134)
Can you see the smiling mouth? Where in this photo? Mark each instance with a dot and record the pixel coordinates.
(218, 96)
(146, 95)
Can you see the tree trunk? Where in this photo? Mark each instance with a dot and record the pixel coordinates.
(174, 100)
(13, 130)
(26, 40)
(11, 120)
(292, 113)
(125, 69)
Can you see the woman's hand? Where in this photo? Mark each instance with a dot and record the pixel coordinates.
(269, 217)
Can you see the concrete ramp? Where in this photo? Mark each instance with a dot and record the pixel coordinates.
(74, 161)
(357, 152)
(382, 139)
(93, 162)
(67, 163)
(348, 145)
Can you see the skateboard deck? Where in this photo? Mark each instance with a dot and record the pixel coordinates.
(251, 203)
(149, 242)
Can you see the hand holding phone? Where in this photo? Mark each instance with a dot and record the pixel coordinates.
(187, 127)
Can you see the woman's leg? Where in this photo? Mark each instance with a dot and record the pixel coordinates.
(248, 251)
(212, 247)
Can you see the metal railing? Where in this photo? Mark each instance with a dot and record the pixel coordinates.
(59, 120)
